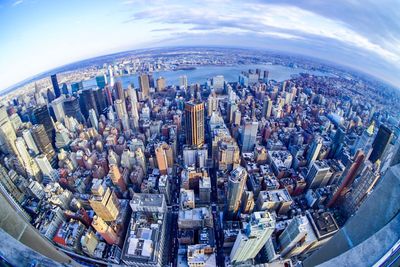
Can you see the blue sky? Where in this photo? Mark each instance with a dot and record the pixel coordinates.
(38, 35)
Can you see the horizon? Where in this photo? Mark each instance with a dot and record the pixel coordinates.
(44, 74)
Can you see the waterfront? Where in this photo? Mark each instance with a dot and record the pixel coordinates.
(202, 73)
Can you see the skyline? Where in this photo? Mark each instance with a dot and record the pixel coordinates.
(365, 37)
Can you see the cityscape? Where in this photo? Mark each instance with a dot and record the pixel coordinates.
(189, 156)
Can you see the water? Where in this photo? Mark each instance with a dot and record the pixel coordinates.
(202, 73)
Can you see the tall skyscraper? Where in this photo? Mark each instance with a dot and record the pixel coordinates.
(106, 231)
(319, 174)
(104, 201)
(31, 168)
(183, 82)
(87, 102)
(212, 104)
(58, 108)
(236, 183)
(7, 132)
(101, 81)
(134, 114)
(72, 109)
(249, 135)
(293, 240)
(164, 157)
(99, 98)
(313, 151)
(43, 142)
(117, 177)
(42, 116)
(144, 84)
(119, 90)
(381, 143)
(27, 135)
(267, 107)
(253, 236)
(56, 86)
(194, 119)
(161, 84)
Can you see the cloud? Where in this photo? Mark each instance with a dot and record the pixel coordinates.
(18, 2)
(348, 30)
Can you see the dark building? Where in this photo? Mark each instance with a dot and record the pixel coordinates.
(87, 102)
(76, 87)
(381, 143)
(43, 143)
(42, 116)
(100, 99)
(119, 90)
(65, 89)
(72, 109)
(101, 81)
(50, 96)
(194, 122)
(56, 87)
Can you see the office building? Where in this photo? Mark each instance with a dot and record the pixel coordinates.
(249, 135)
(87, 102)
(144, 84)
(164, 157)
(255, 233)
(319, 174)
(183, 82)
(43, 143)
(42, 116)
(194, 122)
(101, 81)
(105, 230)
(236, 184)
(212, 104)
(278, 200)
(160, 84)
(267, 107)
(313, 151)
(117, 178)
(103, 201)
(381, 143)
(72, 109)
(56, 86)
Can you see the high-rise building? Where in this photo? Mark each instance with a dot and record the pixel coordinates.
(161, 84)
(104, 201)
(72, 109)
(30, 143)
(134, 107)
(93, 119)
(313, 151)
(87, 102)
(212, 104)
(106, 231)
(42, 116)
(319, 174)
(144, 84)
(101, 81)
(119, 91)
(117, 177)
(218, 83)
(7, 132)
(56, 86)
(99, 98)
(43, 142)
(381, 143)
(183, 82)
(267, 107)
(194, 121)
(31, 168)
(58, 108)
(236, 184)
(164, 157)
(249, 135)
(253, 236)
(49, 173)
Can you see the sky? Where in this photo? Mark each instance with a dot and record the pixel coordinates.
(39, 35)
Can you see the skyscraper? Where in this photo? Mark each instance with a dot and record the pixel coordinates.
(43, 142)
(313, 151)
(87, 102)
(236, 183)
(56, 86)
(104, 201)
(194, 119)
(183, 82)
(72, 109)
(160, 83)
(144, 85)
(58, 107)
(42, 116)
(212, 103)
(381, 143)
(319, 174)
(134, 108)
(267, 107)
(164, 157)
(108, 233)
(119, 90)
(101, 81)
(249, 135)
(253, 236)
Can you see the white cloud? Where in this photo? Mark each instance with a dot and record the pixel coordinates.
(18, 2)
